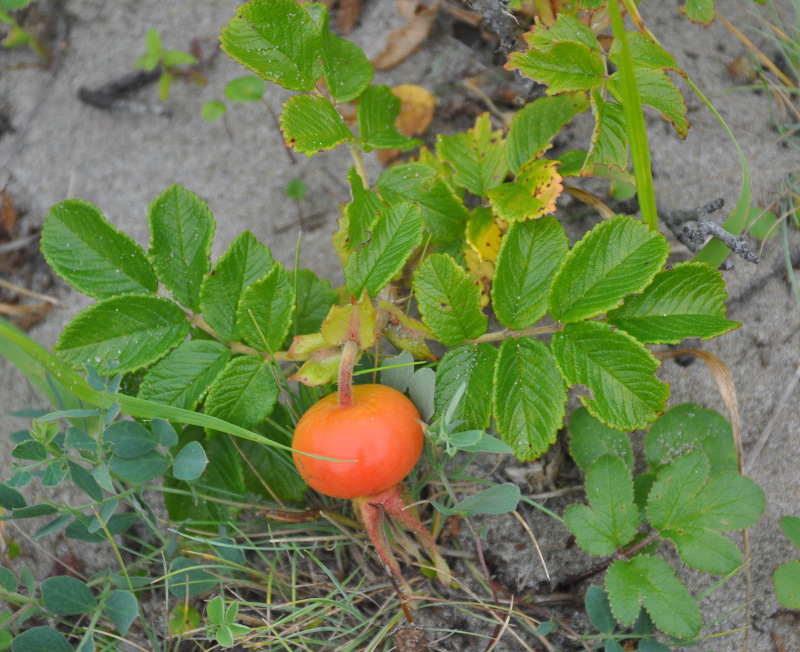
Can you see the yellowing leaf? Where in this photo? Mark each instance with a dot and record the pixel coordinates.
(343, 324)
(482, 272)
(417, 106)
(532, 194)
(322, 368)
(484, 234)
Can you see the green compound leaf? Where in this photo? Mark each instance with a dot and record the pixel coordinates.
(124, 333)
(139, 470)
(122, 608)
(245, 262)
(67, 596)
(361, 212)
(277, 40)
(346, 69)
(181, 230)
(644, 52)
(791, 528)
(473, 365)
(394, 235)
(700, 11)
(690, 510)
(314, 300)
(787, 584)
(532, 194)
(312, 124)
(609, 146)
(657, 90)
(450, 303)
(445, 214)
(530, 254)
(477, 156)
(537, 123)
(617, 370)
(529, 397)
(565, 57)
(265, 310)
(685, 301)
(377, 110)
(190, 462)
(617, 257)
(129, 439)
(244, 393)
(648, 582)
(589, 439)
(183, 376)
(92, 255)
(611, 519)
(689, 428)
(41, 639)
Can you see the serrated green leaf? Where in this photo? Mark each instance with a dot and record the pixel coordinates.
(617, 370)
(473, 366)
(190, 462)
(689, 510)
(529, 397)
(123, 333)
(181, 231)
(535, 125)
(394, 235)
(787, 584)
(244, 393)
(377, 110)
(67, 596)
(685, 301)
(445, 214)
(611, 519)
(361, 212)
(609, 146)
(565, 66)
(700, 11)
(589, 439)
(122, 608)
(532, 194)
(656, 89)
(617, 257)
(477, 156)
(265, 310)
(644, 52)
(145, 468)
(224, 475)
(41, 639)
(247, 88)
(245, 261)
(183, 376)
(791, 528)
(277, 40)
(346, 68)
(448, 300)
(312, 124)
(314, 300)
(649, 582)
(530, 254)
(598, 608)
(92, 255)
(689, 428)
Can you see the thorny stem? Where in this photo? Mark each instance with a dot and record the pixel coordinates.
(498, 336)
(349, 352)
(620, 554)
(236, 347)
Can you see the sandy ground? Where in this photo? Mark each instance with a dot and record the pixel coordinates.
(61, 148)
